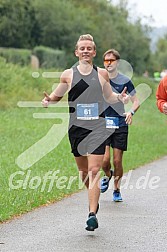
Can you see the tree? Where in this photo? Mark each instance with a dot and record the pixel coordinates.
(160, 56)
(59, 23)
(17, 24)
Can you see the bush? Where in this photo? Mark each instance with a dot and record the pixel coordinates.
(16, 56)
(18, 84)
(49, 58)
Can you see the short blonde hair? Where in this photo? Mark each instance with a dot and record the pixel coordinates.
(86, 37)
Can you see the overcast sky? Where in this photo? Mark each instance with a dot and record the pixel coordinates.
(155, 8)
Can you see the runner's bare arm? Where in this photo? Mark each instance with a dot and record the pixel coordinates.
(135, 103)
(135, 106)
(60, 90)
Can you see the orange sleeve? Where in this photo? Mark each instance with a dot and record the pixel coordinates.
(161, 93)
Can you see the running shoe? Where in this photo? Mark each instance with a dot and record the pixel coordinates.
(104, 183)
(92, 222)
(117, 196)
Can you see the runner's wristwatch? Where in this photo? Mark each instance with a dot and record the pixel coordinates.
(132, 112)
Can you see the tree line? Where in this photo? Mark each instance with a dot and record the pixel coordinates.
(59, 23)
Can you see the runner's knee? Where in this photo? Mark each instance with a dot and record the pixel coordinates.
(106, 164)
(93, 170)
(117, 163)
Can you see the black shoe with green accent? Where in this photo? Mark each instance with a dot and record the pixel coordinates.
(92, 222)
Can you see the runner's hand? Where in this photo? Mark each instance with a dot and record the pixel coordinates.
(46, 100)
(123, 97)
(128, 118)
(164, 108)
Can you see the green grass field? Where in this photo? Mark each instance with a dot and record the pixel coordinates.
(20, 131)
(24, 189)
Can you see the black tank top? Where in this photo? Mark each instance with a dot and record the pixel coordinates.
(86, 102)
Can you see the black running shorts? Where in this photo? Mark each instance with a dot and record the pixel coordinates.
(86, 142)
(119, 138)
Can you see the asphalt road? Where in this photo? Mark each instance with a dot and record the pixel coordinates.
(139, 223)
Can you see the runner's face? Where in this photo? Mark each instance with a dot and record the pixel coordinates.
(85, 51)
(110, 62)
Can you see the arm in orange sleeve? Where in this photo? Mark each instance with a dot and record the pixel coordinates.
(161, 93)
